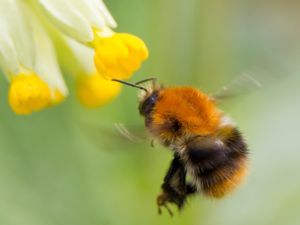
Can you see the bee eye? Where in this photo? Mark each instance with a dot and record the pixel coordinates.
(152, 98)
(147, 105)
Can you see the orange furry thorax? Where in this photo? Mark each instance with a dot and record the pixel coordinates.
(196, 112)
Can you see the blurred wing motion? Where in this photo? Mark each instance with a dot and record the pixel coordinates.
(244, 83)
(113, 137)
(123, 130)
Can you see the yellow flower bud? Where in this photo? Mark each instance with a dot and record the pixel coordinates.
(119, 55)
(93, 90)
(28, 93)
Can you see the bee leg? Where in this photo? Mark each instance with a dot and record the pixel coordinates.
(162, 200)
(174, 187)
(191, 189)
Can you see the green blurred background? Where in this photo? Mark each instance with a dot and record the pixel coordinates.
(56, 171)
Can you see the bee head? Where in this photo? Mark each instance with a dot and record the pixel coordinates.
(148, 95)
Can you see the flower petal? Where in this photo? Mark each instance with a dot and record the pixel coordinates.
(16, 39)
(8, 56)
(28, 93)
(94, 91)
(118, 56)
(99, 4)
(77, 17)
(66, 17)
(88, 10)
(46, 65)
(83, 57)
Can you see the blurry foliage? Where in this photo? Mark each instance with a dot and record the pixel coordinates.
(52, 173)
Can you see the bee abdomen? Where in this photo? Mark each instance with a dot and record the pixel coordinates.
(222, 179)
(218, 168)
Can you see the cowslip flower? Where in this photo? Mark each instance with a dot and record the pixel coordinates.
(28, 60)
(92, 89)
(117, 55)
(28, 57)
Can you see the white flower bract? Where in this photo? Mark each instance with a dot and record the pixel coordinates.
(77, 18)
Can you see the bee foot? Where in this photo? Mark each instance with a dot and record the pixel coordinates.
(162, 201)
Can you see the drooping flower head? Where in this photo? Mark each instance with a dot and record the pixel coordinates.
(28, 52)
(117, 55)
(28, 60)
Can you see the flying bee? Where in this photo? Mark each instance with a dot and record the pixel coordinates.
(208, 147)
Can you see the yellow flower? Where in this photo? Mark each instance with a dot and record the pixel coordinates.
(28, 93)
(93, 90)
(28, 60)
(34, 32)
(117, 55)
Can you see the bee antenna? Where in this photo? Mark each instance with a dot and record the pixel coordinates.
(153, 79)
(130, 84)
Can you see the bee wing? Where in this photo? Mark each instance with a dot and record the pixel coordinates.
(111, 137)
(246, 82)
(123, 130)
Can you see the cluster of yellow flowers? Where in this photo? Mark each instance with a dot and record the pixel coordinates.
(38, 37)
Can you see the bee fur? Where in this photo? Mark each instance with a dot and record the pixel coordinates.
(206, 144)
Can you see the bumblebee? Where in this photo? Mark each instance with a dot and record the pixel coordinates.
(208, 147)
